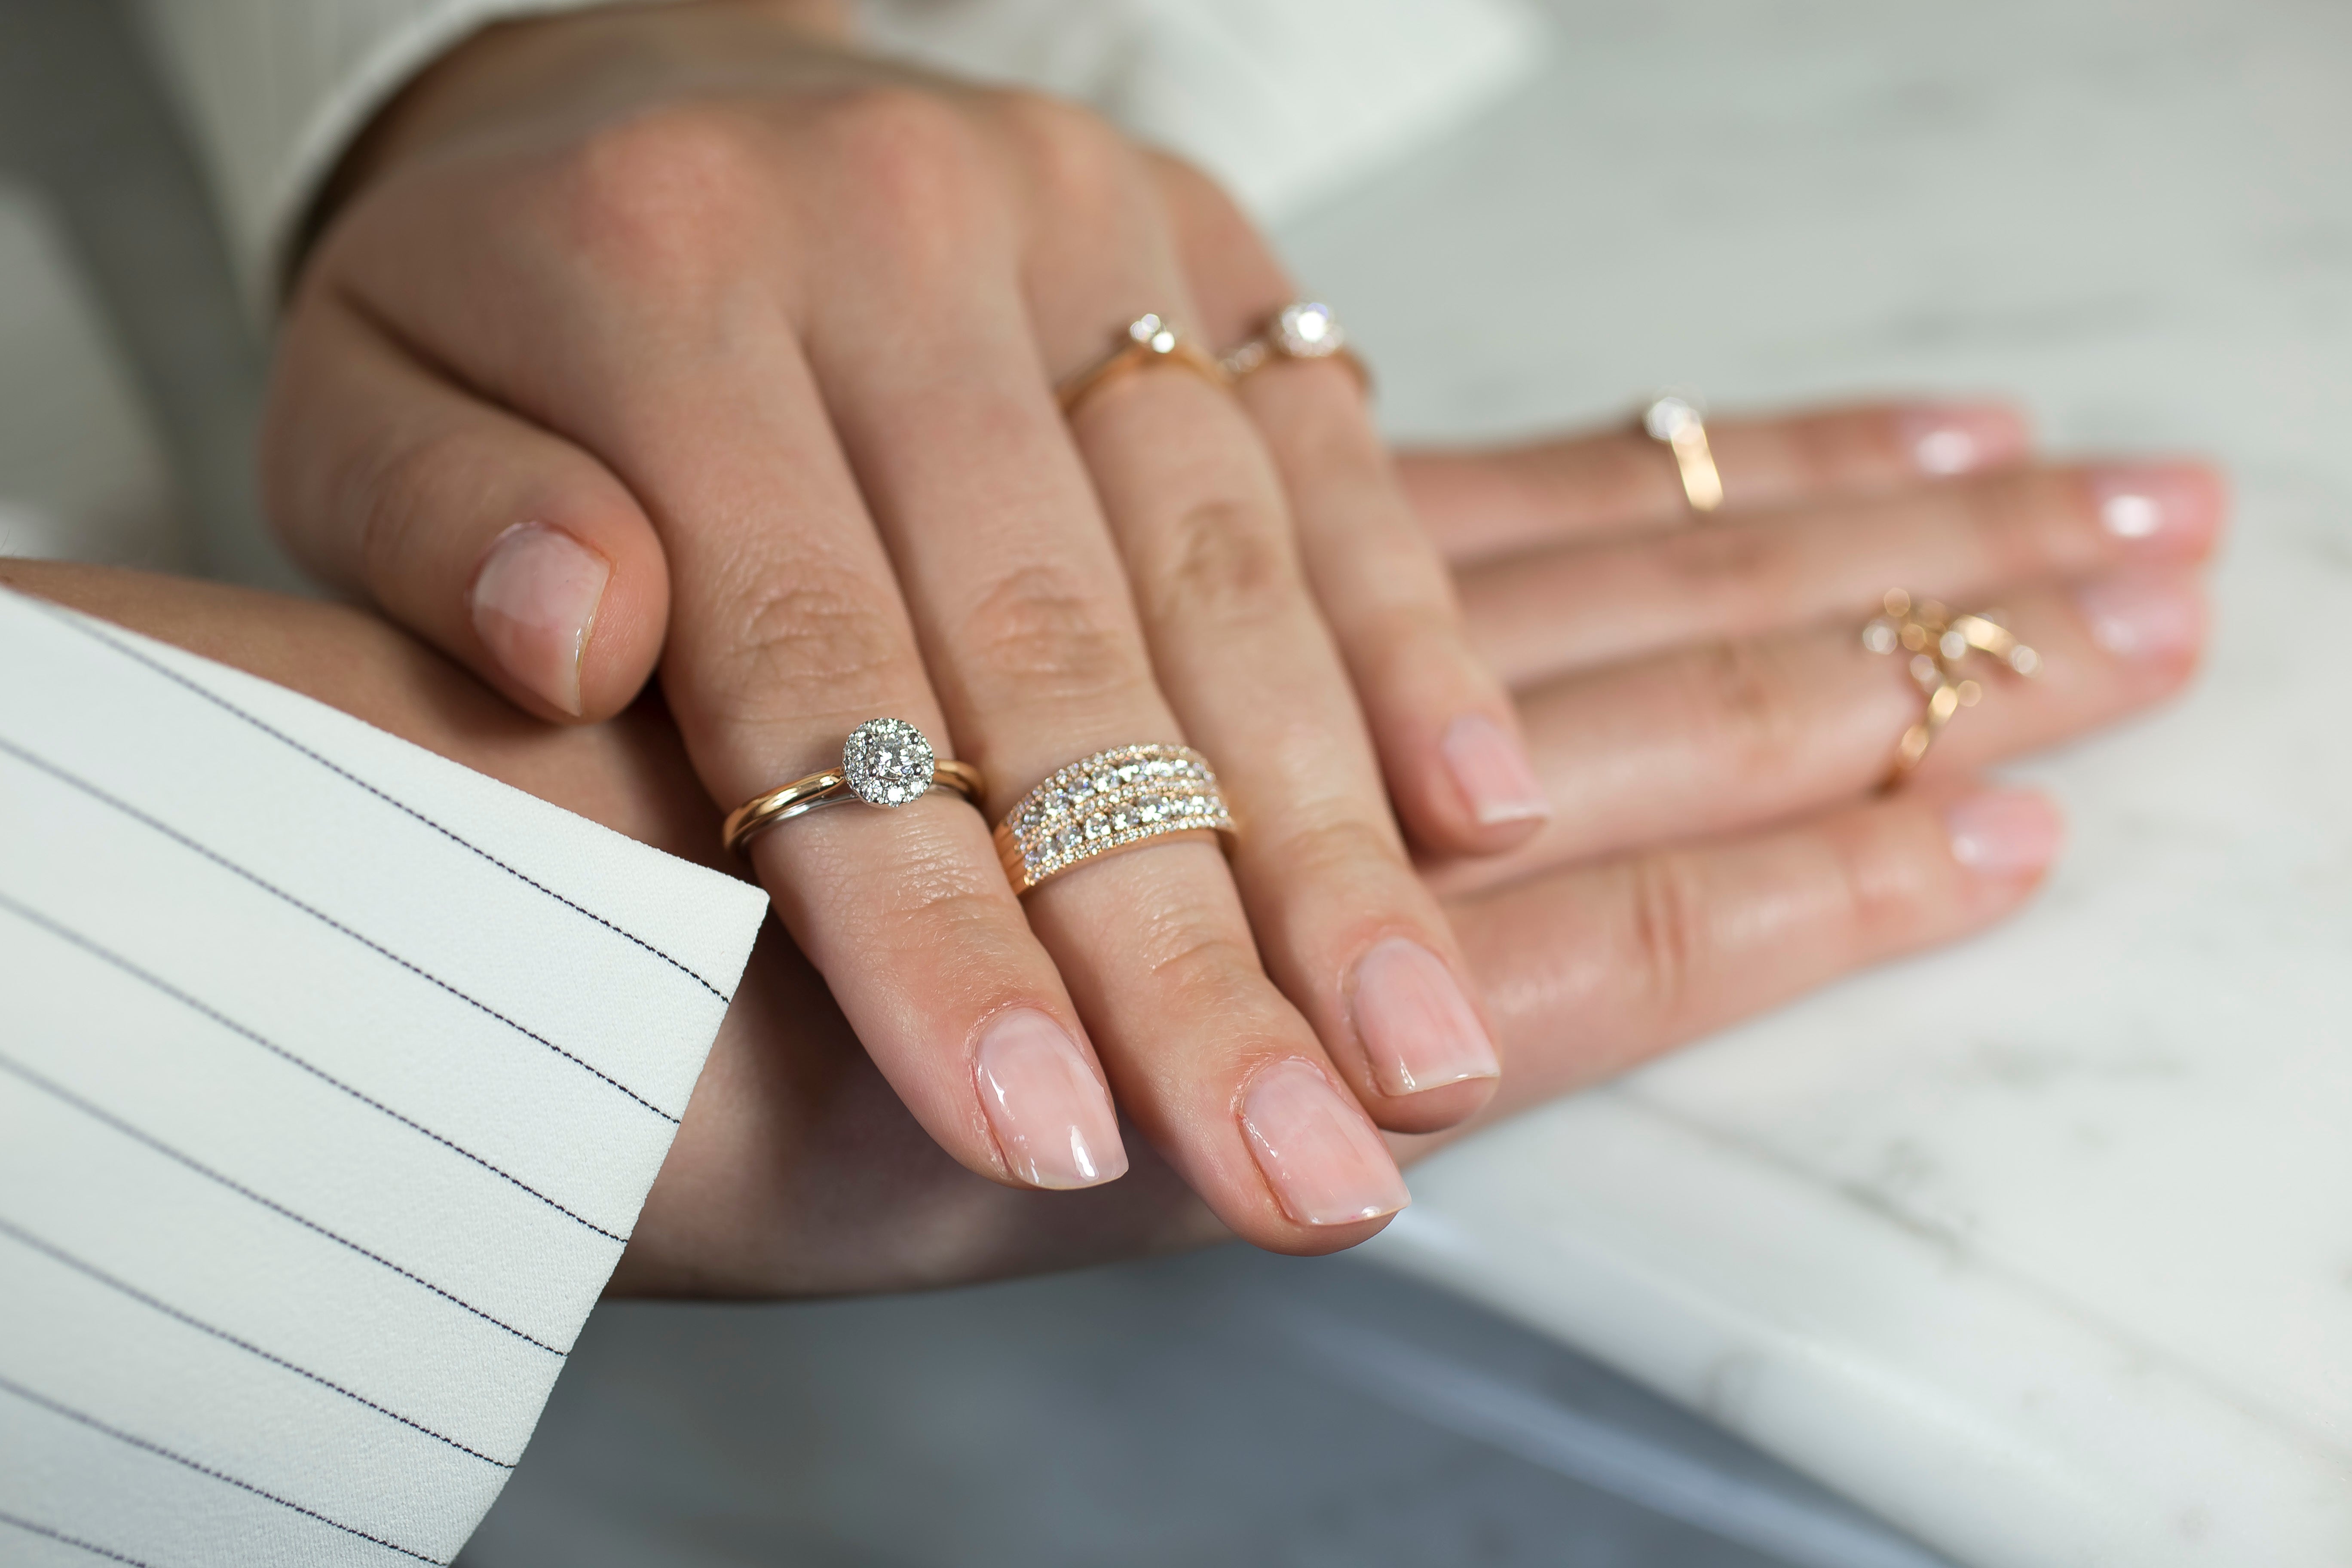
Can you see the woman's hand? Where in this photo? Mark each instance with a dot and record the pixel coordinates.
(670, 333)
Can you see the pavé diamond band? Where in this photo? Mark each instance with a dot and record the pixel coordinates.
(1679, 424)
(1939, 646)
(1113, 800)
(1304, 329)
(884, 761)
(1148, 340)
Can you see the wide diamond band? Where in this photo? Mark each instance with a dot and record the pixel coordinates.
(885, 762)
(1113, 800)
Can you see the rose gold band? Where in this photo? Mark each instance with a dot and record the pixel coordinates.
(1150, 341)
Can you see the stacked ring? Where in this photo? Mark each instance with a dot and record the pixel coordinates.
(1150, 341)
(1940, 645)
(1113, 800)
(1678, 422)
(1304, 330)
(884, 761)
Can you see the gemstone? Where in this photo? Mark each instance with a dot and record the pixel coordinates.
(1309, 331)
(1669, 417)
(887, 761)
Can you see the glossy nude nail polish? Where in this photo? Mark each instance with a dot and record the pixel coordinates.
(1492, 770)
(1961, 439)
(2004, 833)
(1417, 1029)
(2155, 618)
(1318, 1151)
(534, 604)
(2158, 502)
(1051, 1115)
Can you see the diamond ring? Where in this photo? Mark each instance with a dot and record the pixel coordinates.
(1941, 646)
(1148, 340)
(1305, 328)
(884, 761)
(1113, 800)
(1679, 424)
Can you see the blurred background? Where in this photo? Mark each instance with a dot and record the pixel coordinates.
(1877, 190)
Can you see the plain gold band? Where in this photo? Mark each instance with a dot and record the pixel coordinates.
(1140, 352)
(831, 787)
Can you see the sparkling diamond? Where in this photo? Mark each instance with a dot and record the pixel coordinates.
(1879, 637)
(1309, 331)
(887, 761)
(1668, 417)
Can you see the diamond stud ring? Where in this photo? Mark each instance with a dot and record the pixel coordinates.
(1304, 330)
(1939, 645)
(1113, 800)
(885, 762)
(1679, 424)
(1148, 340)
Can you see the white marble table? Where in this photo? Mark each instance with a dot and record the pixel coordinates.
(2041, 1247)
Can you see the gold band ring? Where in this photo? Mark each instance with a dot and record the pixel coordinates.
(885, 762)
(1939, 645)
(1679, 424)
(1304, 330)
(1113, 800)
(1150, 341)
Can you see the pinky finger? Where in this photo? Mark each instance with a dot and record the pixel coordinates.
(1591, 971)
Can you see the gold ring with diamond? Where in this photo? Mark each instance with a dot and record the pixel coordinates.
(1303, 330)
(1148, 340)
(1679, 424)
(1111, 801)
(885, 762)
(1939, 645)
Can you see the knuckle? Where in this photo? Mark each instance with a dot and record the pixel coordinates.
(1666, 932)
(1747, 692)
(1076, 162)
(915, 163)
(811, 646)
(1227, 562)
(393, 494)
(1040, 629)
(1337, 842)
(660, 196)
(1718, 561)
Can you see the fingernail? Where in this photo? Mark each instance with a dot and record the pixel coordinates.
(1493, 770)
(2143, 619)
(1320, 1155)
(2170, 501)
(2004, 833)
(1050, 1114)
(535, 600)
(1958, 438)
(1417, 1028)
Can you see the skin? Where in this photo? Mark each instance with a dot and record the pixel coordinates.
(771, 329)
(799, 1170)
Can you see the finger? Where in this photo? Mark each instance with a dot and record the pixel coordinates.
(1572, 608)
(514, 551)
(653, 331)
(1717, 738)
(1483, 503)
(1448, 739)
(1590, 972)
(944, 405)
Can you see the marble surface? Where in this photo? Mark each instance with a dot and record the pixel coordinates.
(2041, 1247)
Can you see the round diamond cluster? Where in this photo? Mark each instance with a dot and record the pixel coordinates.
(1309, 331)
(887, 761)
(1113, 799)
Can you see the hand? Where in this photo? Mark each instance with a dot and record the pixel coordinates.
(668, 332)
(797, 1171)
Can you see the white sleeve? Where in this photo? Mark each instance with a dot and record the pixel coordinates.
(332, 1079)
(1282, 100)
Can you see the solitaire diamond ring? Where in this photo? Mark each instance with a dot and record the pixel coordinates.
(886, 762)
(1305, 328)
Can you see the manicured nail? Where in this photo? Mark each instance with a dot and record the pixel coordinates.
(1320, 1155)
(2143, 617)
(2170, 501)
(1958, 438)
(1493, 770)
(1417, 1028)
(2004, 833)
(1051, 1115)
(535, 601)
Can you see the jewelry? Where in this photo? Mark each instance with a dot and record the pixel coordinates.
(1679, 424)
(1940, 645)
(1113, 800)
(1150, 341)
(885, 762)
(1304, 330)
